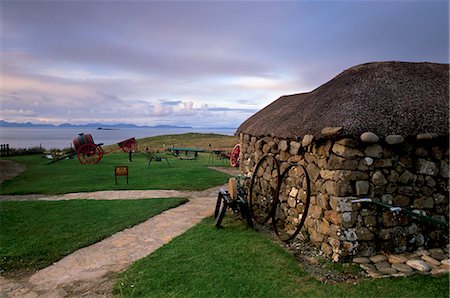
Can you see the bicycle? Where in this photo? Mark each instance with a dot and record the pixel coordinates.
(239, 205)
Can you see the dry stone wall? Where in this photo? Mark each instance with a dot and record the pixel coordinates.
(411, 173)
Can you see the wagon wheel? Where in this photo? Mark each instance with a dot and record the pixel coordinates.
(263, 189)
(292, 202)
(234, 158)
(90, 154)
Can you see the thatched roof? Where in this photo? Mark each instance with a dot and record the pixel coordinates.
(385, 98)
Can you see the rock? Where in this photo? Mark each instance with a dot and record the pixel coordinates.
(346, 152)
(406, 177)
(426, 167)
(431, 260)
(368, 160)
(382, 265)
(367, 267)
(423, 252)
(369, 137)
(350, 235)
(378, 258)
(361, 260)
(283, 145)
(446, 262)
(313, 171)
(439, 256)
(426, 136)
(294, 192)
(400, 274)
(378, 178)
(341, 204)
(402, 268)
(435, 250)
(375, 274)
(338, 163)
(394, 139)
(387, 199)
(329, 132)
(307, 140)
(362, 188)
(374, 151)
(364, 234)
(419, 265)
(383, 163)
(396, 259)
(444, 170)
(388, 270)
(292, 202)
(438, 271)
(294, 147)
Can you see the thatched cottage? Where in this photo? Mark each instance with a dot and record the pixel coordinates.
(377, 131)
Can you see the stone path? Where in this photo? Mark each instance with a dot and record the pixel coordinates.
(433, 261)
(91, 271)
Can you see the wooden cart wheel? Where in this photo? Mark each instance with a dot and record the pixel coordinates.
(234, 158)
(90, 154)
(264, 189)
(292, 202)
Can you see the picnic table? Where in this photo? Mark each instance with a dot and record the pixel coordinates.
(189, 153)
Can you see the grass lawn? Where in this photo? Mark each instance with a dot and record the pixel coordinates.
(239, 262)
(191, 140)
(34, 234)
(71, 176)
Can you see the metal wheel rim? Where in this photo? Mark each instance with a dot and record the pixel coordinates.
(307, 203)
(274, 195)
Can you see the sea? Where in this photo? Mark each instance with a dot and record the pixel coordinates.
(61, 137)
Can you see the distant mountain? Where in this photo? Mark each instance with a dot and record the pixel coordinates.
(91, 125)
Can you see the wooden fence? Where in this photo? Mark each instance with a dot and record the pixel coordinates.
(4, 150)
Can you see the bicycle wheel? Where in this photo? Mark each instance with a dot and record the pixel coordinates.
(221, 213)
(292, 202)
(264, 189)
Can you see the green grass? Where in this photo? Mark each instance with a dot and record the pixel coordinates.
(34, 234)
(191, 140)
(70, 176)
(239, 262)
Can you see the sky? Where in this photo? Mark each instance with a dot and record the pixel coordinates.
(196, 63)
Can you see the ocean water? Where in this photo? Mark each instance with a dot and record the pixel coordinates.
(56, 137)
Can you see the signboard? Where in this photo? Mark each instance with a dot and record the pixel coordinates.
(121, 171)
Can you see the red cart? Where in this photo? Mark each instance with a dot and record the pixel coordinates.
(90, 153)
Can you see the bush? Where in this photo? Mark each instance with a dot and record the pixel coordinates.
(26, 151)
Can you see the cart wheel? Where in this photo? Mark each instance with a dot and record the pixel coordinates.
(234, 158)
(222, 208)
(90, 154)
(292, 202)
(263, 189)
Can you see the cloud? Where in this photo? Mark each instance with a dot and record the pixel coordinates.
(196, 63)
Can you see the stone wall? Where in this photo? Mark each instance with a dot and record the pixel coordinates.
(411, 173)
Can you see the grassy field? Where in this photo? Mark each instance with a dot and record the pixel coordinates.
(34, 234)
(191, 140)
(71, 176)
(239, 262)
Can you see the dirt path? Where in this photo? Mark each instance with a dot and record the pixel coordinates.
(10, 169)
